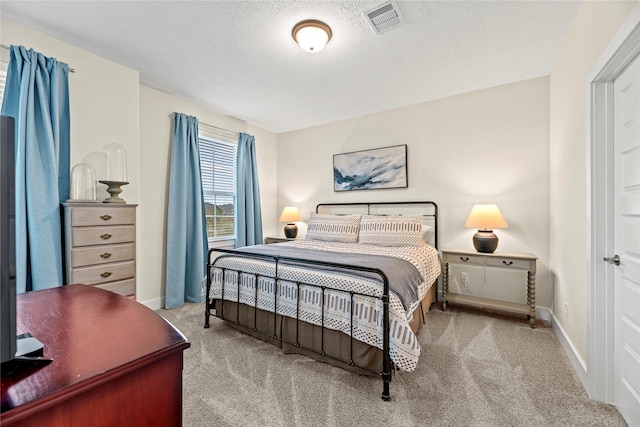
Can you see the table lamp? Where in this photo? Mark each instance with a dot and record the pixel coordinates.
(485, 218)
(290, 215)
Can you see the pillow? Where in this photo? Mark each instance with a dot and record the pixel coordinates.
(391, 230)
(425, 232)
(333, 228)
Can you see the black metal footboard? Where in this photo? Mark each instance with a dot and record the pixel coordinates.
(386, 358)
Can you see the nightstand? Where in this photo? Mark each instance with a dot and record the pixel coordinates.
(512, 261)
(270, 240)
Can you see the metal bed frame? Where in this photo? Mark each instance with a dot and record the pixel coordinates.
(387, 364)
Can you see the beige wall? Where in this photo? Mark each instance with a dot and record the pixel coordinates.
(155, 149)
(489, 146)
(594, 26)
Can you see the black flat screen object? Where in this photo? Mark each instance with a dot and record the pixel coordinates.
(24, 350)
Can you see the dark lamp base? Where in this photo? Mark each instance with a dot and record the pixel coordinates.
(290, 231)
(485, 241)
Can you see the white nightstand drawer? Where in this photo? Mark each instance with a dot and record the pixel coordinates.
(103, 273)
(464, 259)
(86, 236)
(271, 240)
(103, 216)
(84, 256)
(509, 262)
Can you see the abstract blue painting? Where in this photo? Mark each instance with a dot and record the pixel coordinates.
(371, 169)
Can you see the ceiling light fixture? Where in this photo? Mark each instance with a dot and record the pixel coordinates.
(311, 35)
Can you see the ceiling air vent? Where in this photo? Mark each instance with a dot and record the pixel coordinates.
(384, 17)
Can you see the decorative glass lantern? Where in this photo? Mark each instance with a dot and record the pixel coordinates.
(83, 183)
(115, 171)
(116, 163)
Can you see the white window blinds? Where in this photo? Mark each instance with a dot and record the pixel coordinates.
(218, 165)
(4, 65)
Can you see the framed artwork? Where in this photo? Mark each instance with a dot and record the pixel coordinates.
(371, 169)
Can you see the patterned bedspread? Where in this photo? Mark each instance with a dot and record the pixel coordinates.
(367, 311)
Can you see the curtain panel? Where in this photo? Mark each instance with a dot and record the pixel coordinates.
(248, 212)
(36, 95)
(187, 243)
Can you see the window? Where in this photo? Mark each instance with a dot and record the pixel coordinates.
(4, 65)
(218, 163)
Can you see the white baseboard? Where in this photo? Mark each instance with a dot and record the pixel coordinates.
(154, 304)
(576, 361)
(544, 314)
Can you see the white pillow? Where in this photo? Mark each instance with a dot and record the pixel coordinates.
(391, 230)
(425, 232)
(333, 228)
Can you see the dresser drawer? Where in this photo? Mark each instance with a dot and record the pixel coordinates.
(84, 256)
(102, 216)
(509, 262)
(103, 273)
(86, 236)
(465, 259)
(122, 287)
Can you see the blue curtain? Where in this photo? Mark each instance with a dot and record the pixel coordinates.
(187, 242)
(36, 95)
(249, 214)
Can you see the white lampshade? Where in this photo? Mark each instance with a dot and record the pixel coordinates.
(290, 214)
(485, 217)
(311, 35)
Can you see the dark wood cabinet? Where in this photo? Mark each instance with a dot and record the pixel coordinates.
(115, 362)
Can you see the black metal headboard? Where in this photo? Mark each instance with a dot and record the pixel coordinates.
(428, 210)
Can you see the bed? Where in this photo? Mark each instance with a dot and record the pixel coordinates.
(354, 293)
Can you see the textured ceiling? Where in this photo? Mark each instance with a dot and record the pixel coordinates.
(238, 57)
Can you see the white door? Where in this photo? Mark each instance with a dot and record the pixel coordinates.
(626, 195)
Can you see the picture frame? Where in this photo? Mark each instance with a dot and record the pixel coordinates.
(377, 168)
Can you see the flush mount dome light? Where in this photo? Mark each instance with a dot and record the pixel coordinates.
(311, 35)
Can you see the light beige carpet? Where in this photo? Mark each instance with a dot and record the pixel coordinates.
(475, 370)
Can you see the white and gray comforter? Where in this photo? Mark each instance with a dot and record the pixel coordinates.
(411, 272)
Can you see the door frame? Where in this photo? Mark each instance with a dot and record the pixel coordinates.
(622, 49)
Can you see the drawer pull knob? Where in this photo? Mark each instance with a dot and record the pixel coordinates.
(105, 274)
(464, 258)
(105, 217)
(105, 255)
(105, 236)
(507, 262)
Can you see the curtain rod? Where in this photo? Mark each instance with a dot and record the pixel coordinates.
(5, 47)
(215, 128)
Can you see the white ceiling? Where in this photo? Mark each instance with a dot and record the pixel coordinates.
(238, 57)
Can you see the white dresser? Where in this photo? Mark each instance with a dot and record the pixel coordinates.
(100, 246)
